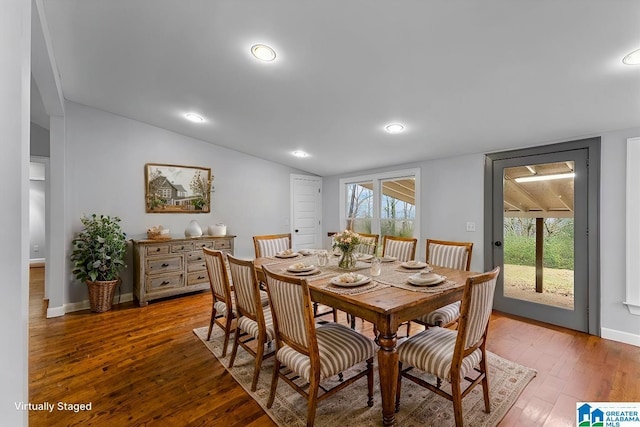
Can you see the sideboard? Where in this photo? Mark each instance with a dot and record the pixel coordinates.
(173, 266)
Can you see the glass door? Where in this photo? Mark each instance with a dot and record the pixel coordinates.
(540, 237)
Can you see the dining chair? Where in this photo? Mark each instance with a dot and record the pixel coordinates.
(271, 244)
(453, 355)
(368, 244)
(222, 312)
(403, 248)
(253, 319)
(311, 352)
(456, 255)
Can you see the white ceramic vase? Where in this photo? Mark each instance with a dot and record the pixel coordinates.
(218, 230)
(193, 229)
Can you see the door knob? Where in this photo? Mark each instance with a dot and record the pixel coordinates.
(498, 243)
(296, 230)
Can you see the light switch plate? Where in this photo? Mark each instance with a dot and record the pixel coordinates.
(471, 226)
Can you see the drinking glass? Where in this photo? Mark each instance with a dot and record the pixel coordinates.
(323, 258)
(376, 266)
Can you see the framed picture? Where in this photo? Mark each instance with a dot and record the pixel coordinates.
(177, 189)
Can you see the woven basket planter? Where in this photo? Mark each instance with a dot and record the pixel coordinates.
(101, 294)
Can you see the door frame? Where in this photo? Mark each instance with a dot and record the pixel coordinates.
(592, 145)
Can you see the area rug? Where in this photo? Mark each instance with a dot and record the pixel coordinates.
(418, 406)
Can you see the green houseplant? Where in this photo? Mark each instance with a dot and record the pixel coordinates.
(98, 258)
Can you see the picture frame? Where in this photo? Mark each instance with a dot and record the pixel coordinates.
(177, 188)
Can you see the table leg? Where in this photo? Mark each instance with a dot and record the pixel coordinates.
(388, 371)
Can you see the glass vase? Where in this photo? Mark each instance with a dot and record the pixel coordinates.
(347, 260)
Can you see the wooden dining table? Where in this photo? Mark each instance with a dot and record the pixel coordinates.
(387, 306)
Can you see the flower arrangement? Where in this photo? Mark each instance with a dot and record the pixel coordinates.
(346, 241)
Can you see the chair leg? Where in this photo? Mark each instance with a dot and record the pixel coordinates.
(408, 328)
(312, 402)
(399, 386)
(457, 401)
(227, 334)
(274, 383)
(234, 350)
(335, 315)
(259, 356)
(211, 322)
(370, 382)
(485, 385)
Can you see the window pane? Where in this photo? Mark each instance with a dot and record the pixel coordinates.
(398, 210)
(359, 207)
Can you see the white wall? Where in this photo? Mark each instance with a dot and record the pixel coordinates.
(37, 211)
(105, 158)
(15, 39)
(452, 194)
(39, 141)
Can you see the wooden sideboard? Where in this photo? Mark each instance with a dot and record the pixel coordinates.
(173, 266)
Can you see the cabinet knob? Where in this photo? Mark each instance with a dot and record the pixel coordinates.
(200, 277)
(164, 283)
(157, 249)
(165, 265)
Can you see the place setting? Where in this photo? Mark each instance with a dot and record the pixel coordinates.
(352, 283)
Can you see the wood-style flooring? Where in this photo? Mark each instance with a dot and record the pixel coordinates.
(143, 366)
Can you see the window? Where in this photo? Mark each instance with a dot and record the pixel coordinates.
(384, 204)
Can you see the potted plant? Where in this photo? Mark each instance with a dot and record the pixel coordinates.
(98, 257)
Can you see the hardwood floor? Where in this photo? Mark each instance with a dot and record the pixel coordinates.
(143, 366)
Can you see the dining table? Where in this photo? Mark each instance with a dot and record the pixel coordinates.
(387, 301)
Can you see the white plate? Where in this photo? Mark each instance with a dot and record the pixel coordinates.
(306, 273)
(306, 252)
(414, 265)
(293, 269)
(388, 259)
(364, 257)
(416, 281)
(362, 280)
(291, 255)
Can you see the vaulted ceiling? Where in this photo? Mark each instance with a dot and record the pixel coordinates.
(463, 76)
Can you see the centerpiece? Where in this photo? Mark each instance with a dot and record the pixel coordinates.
(346, 241)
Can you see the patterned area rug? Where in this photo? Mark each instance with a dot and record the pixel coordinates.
(418, 406)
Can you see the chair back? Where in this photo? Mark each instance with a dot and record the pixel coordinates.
(271, 244)
(218, 276)
(292, 314)
(475, 311)
(403, 248)
(448, 254)
(246, 289)
(368, 243)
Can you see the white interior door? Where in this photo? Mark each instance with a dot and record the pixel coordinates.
(306, 211)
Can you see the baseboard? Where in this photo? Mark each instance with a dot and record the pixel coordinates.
(84, 305)
(624, 337)
(55, 311)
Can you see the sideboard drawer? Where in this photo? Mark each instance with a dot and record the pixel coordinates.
(157, 250)
(165, 281)
(203, 244)
(164, 264)
(222, 244)
(181, 247)
(195, 256)
(197, 277)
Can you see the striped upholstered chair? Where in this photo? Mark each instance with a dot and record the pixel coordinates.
(222, 312)
(368, 243)
(312, 353)
(271, 244)
(403, 248)
(254, 320)
(455, 255)
(454, 355)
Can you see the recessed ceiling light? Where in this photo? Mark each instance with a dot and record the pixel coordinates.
(633, 58)
(394, 128)
(300, 154)
(263, 52)
(196, 118)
